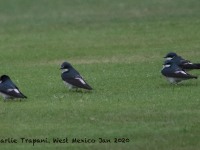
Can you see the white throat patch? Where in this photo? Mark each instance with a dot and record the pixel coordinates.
(166, 66)
(65, 70)
(168, 58)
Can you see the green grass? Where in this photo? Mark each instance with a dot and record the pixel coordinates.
(118, 47)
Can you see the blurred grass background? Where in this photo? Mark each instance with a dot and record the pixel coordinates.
(118, 47)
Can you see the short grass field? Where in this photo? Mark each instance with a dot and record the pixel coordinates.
(118, 47)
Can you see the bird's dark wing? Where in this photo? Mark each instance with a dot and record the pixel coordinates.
(186, 64)
(9, 88)
(78, 81)
(189, 65)
(197, 65)
(15, 93)
(181, 74)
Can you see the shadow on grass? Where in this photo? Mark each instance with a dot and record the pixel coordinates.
(78, 91)
(81, 91)
(163, 85)
(14, 100)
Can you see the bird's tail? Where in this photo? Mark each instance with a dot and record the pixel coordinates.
(197, 66)
(194, 77)
(88, 87)
(23, 96)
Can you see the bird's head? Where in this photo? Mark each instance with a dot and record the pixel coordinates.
(4, 78)
(65, 66)
(167, 63)
(170, 56)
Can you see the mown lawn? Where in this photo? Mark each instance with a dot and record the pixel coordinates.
(118, 47)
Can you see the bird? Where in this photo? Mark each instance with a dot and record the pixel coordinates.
(72, 78)
(8, 90)
(174, 73)
(181, 62)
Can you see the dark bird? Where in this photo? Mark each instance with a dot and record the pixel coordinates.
(8, 89)
(72, 78)
(174, 73)
(181, 62)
